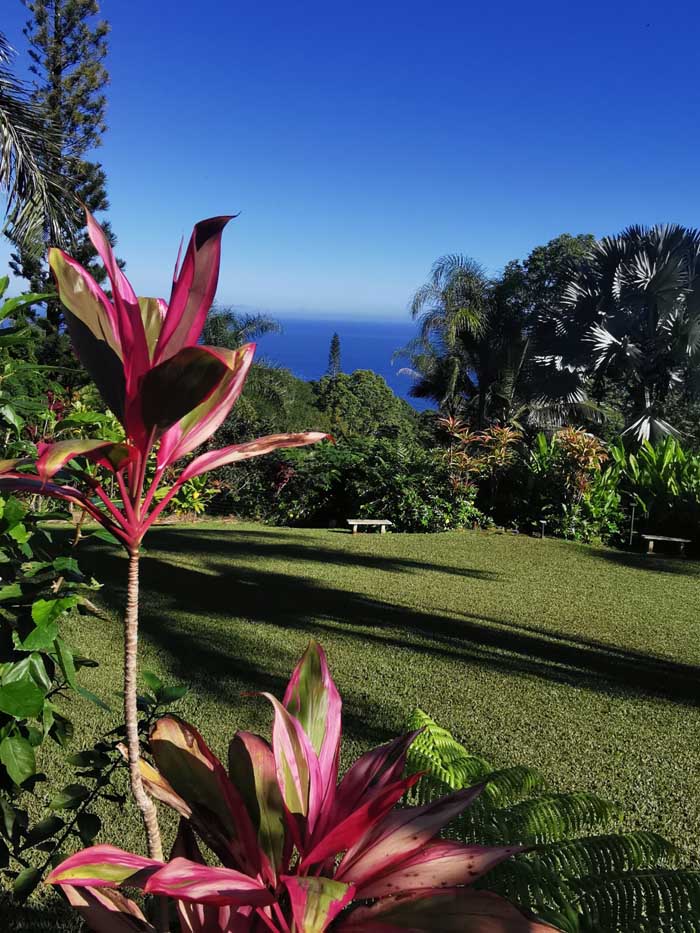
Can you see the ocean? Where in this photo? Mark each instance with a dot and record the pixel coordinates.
(303, 348)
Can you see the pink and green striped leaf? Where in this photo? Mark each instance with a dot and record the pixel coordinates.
(316, 901)
(180, 384)
(298, 772)
(440, 864)
(460, 910)
(402, 833)
(197, 776)
(257, 448)
(251, 766)
(104, 866)
(313, 699)
(192, 881)
(52, 457)
(107, 911)
(201, 422)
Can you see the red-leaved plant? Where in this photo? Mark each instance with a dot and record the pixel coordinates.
(300, 852)
(169, 393)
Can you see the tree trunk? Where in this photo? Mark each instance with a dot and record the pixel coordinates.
(131, 634)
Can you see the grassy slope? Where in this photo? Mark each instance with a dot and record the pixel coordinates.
(581, 662)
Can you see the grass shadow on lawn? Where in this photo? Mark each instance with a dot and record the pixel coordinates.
(177, 598)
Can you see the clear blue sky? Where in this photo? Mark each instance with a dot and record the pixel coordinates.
(362, 140)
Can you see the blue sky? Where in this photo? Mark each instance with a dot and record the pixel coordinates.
(360, 141)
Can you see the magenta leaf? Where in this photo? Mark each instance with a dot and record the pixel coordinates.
(342, 836)
(370, 773)
(193, 289)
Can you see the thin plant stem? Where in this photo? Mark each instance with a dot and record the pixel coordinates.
(131, 625)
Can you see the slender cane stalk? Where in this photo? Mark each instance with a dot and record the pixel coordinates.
(131, 630)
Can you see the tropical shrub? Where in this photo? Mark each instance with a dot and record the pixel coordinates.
(576, 870)
(560, 481)
(299, 851)
(169, 395)
(405, 483)
(41, 585)
(664, 481)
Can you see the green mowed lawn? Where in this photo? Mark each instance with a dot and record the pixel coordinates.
(582, 662)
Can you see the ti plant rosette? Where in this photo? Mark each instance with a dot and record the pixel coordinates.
(300, 852)
(170, 395)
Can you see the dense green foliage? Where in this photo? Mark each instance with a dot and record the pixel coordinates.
(576, 873)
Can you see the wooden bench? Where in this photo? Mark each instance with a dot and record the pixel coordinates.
(382, 522)
(651, 538)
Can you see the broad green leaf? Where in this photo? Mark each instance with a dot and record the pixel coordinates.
(25, 883)
(46, 611)
(171, 694)
(153, 682)
(21, 699)
(17, 755)
(70, 797)
(66, 663)
(10, 591)
(44, 829)
(89, 825)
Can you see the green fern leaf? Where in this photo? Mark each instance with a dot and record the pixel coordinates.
(598, 855)
(637, 901)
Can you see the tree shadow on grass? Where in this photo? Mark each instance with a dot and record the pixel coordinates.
(176, 600)
(232, 545)
(648, 563)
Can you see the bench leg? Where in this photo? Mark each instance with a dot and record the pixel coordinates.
(354, 529)
(383, 529)
(650, 547)
(682, 549)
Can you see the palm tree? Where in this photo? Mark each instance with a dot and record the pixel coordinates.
(226, 327)
(471, 347)
(29, 164)
(632, 315)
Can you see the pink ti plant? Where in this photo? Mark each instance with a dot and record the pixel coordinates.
(299, 851)
(169, 393)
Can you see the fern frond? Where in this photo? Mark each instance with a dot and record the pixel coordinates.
(552, 818)
(598, 855)
(638, 901)
(437, 751)
(510, 785)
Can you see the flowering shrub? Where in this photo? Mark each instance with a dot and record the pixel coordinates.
(299, 851)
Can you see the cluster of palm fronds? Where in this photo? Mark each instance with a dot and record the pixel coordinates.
(578, 872)
(30, 175)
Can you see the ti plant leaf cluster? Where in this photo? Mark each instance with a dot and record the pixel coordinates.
(299, 851)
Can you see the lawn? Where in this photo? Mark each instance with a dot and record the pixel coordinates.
(582, 662)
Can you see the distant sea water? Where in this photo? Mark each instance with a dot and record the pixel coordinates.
(303, 348)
